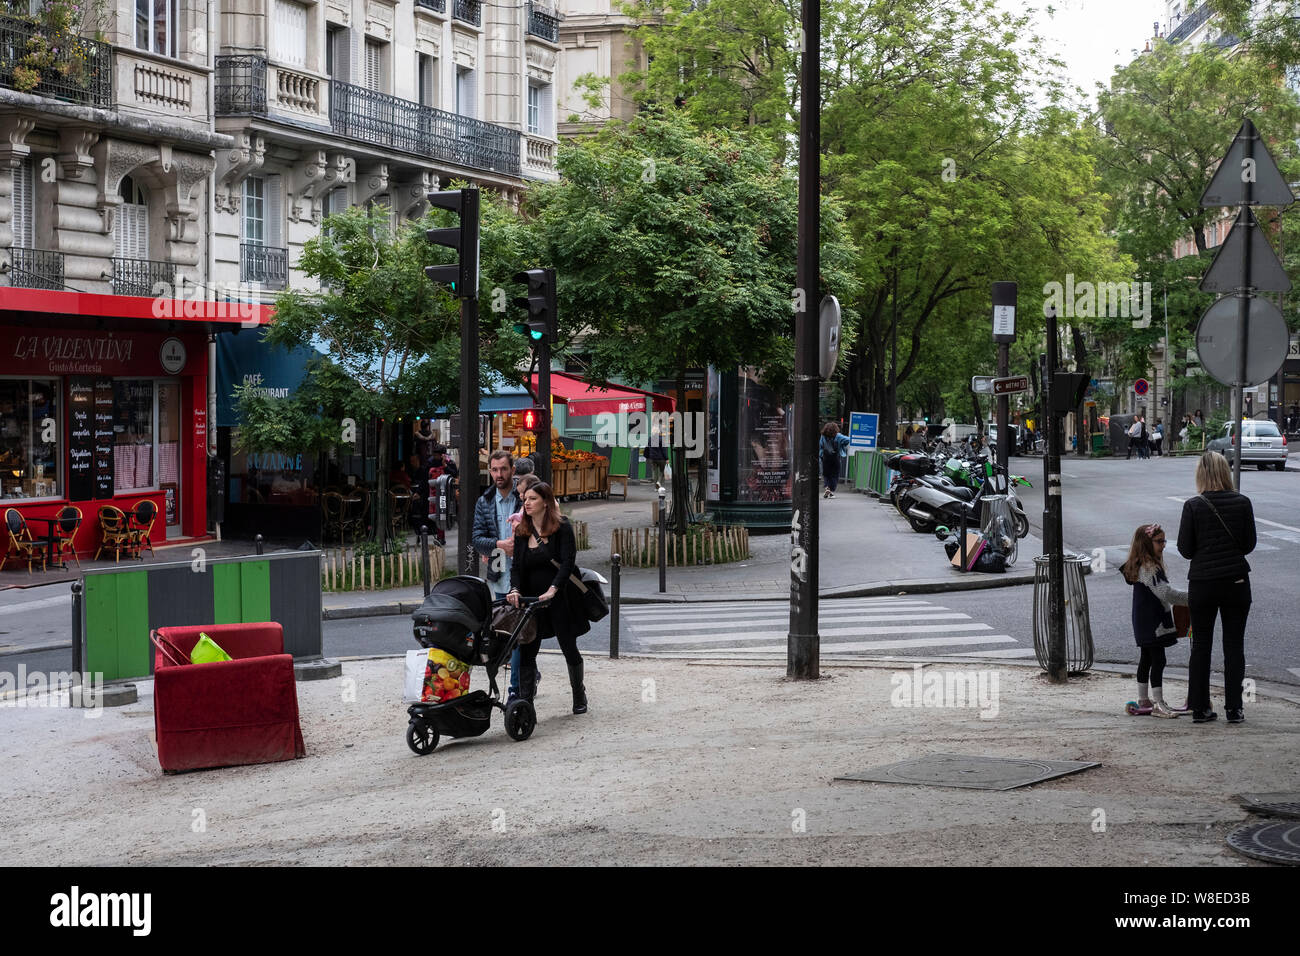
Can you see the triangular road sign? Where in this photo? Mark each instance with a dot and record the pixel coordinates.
(1248, 167)
(1266, 272)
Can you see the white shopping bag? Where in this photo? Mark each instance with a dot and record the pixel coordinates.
(413, 681)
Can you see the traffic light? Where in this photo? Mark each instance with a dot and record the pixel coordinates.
(535, 419)
(461, 275)
(540, 304)
(1067, 391)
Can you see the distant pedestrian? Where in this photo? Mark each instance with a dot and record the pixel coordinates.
(657, 455)
(1158, 436)
(917, 441)
(1199, 418)
(834, 449)
(1134, 436)
(1152, 616)
(1216, 533)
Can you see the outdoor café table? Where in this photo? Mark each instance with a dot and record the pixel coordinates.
(51, 541)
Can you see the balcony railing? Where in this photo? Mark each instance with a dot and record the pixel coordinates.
(36, 269)
(240, 85)
(468, 10)
(265, 264)
(439, 5)
(141, 276)
(384, 120)
(1189, 23)
(543, 23)
(69, 68)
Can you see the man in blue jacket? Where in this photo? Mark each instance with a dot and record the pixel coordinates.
(494, 537)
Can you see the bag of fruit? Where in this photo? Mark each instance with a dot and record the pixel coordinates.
(445, 677)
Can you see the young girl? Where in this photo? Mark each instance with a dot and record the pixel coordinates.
(1153, 622)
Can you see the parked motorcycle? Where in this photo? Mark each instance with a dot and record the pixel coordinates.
(927, 505)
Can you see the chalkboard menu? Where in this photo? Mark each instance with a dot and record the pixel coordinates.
(104, 440)
(81, 444)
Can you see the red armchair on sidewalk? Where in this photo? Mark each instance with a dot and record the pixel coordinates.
(225, 713)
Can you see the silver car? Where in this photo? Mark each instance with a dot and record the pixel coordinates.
(1264, 444)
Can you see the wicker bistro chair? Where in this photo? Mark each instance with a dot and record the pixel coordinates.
(21, 544)
(331, 504)
(115, 535)
(65, 531)
(399, 510)
(145, 514)
(356, 509)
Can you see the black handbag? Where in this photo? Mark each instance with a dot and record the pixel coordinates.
(590, 594)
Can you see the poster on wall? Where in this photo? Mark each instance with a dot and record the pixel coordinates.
(104, 440)
(712, 467)
(81, 439)
(766, 438)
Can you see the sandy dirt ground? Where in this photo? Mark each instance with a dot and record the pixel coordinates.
(677, 763)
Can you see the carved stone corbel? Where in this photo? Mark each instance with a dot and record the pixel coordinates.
(13, 139)
(185, 173)
(114, 158)
(305, 180)
(411, 197)
(234, 165)
(75, 145)
(371, 182)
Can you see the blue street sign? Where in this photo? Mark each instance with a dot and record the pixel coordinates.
(862, 430)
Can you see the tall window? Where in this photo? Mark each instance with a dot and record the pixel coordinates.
(133, 434)
(539, 109)
(375, 66)
(290, 33)
(466, 91)
(338, 53)
(131, 227)
(24, 206)
(426, 73)
(155, 26)
(29, 466)
(255, 210)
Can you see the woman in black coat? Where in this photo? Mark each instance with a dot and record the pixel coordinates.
(546, 554)
(1216, 533)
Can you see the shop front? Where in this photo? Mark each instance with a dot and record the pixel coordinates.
(103, 403)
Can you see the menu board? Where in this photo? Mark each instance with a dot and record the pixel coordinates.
(103, 437)
(81, 444)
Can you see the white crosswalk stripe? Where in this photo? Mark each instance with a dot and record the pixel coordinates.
(852, 626)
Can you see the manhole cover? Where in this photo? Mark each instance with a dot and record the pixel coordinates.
(1272, 804)
(1277, 841)
(973, 773)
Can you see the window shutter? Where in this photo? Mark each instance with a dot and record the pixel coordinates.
(23, 220)
(547, 125)
(375, 66)
(131, 232)
(290, 33)
(274, 213)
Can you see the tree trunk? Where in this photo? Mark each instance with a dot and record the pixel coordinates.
(382, 523)
(680, 514)
(979, 414)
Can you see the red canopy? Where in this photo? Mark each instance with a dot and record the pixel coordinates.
(585, 399)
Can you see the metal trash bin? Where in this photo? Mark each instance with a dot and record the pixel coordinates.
(1078, 629)
(993, 507)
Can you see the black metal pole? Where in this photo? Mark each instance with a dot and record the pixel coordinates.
(803, 644)
(1052, 527)
(615, 568)
(663, 542)
(467, 562)
(425, 571)
(544, 396)
(76, 632)
(962, 540)
(1244, 294)
(258, 542)
(1004, 410)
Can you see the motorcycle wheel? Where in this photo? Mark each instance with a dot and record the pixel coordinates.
(1022, 525)
(920, 525)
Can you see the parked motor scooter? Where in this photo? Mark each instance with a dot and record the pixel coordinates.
(927, 506)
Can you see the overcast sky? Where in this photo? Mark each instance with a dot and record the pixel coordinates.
(1093, 36)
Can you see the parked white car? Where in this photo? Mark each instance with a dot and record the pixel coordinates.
(1263, 444)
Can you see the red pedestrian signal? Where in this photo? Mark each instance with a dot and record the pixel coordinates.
(535, 419)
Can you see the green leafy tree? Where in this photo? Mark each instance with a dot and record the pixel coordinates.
(676, 250)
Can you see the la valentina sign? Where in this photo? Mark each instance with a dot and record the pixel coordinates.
(91, 353)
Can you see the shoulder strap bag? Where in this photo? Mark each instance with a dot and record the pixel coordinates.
(591, 594)
(1232, 537)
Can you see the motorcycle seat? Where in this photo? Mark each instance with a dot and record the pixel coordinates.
(958, 491)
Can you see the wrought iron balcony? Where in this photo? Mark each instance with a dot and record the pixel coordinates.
(265, 264)
(36, 269)
(468, 10)
(65, 67)
(142, 276)
(543, 23)
(1189, 24)
(240, 85)
(363, 114)
(439, 5)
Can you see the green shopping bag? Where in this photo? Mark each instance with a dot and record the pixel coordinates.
(207, 650)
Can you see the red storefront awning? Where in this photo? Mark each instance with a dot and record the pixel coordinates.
(586, 399)
(132, 310)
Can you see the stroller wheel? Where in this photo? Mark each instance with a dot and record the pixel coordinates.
(521, 719)
(421, 737)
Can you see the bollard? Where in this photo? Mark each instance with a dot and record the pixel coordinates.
(663, 544)
(77, 588)
(963, 540)
(424, 558)
(614, 565)
(258, 539)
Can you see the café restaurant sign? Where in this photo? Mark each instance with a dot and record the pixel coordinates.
(90, 352)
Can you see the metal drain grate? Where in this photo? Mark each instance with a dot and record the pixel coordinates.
(1272, 804)
(972, 773)
(1276, 841)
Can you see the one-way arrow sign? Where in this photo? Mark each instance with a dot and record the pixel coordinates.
(1266, 272)
(1248, 176)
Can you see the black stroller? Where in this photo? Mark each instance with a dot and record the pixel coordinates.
(456, 617)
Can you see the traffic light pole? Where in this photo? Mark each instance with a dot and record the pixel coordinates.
(803, 644)
(469, 473)
(1052, 527)
(544, 396)
(1004, 401)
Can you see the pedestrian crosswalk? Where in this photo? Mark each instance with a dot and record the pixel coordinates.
(860, 626)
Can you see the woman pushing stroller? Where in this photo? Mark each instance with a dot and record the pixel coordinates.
(546, 553)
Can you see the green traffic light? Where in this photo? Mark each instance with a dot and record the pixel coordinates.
(535, 334)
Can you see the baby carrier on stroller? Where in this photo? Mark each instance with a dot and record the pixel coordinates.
(456, 618)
